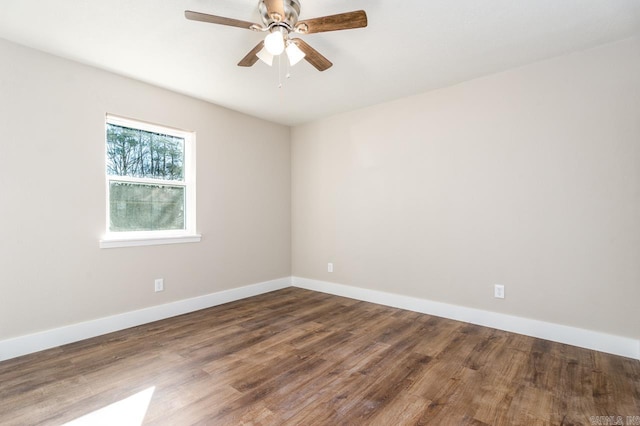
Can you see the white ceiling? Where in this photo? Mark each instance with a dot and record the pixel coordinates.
(410, 46)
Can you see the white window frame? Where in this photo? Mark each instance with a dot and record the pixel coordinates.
(145, 238)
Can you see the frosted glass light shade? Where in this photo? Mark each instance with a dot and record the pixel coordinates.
(274, 43)
(265, 56)
(294, 54)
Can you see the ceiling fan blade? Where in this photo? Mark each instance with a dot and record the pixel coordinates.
(221, 20)
(275, 9)
(342, 21)
(251, 57)
(312, 55)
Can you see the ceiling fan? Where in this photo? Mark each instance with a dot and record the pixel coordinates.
(280, 20)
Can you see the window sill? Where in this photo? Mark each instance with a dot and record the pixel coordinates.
(106, 243)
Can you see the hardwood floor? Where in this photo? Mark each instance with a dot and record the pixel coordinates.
(297, 357)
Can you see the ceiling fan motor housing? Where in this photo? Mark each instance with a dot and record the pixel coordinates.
(291, 13)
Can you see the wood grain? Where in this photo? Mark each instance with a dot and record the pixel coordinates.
(341, 21)
(250, 59)
(220, 20)
(312, 55)
(294, 357)
(275, 9)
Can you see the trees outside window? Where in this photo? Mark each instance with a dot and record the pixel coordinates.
(150, 178)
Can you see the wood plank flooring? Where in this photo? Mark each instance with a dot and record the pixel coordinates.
(297, 357)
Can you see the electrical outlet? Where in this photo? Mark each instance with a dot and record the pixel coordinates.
(329, 267)
(498, 291)
(159, 284)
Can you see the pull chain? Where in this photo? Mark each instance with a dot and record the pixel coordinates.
(288, 76)
(286, 73)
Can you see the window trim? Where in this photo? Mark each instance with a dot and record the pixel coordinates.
(145, 238)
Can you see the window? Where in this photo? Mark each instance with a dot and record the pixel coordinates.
(150, 176)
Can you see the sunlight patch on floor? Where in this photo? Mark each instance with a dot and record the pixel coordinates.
(126, 412)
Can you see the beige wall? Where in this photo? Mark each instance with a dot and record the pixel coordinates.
(52, 197)
(528, 178)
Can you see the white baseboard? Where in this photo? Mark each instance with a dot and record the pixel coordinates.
(30, 343)
(589, 339)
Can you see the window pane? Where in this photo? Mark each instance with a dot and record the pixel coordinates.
(143, 207)
(141, 154)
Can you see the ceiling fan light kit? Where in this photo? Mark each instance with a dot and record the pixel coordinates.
(280, 20)
(294, 53)
(274, 42)
(265, 56)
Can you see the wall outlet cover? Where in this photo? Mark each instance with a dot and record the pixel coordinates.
(159, 284)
